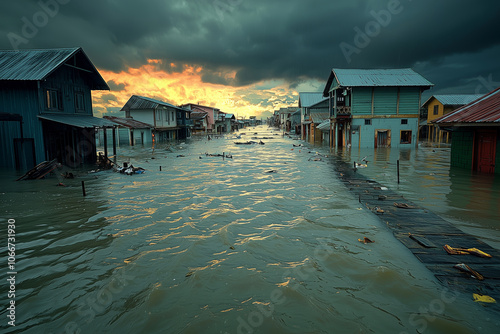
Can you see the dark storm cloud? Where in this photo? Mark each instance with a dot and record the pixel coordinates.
(114, 87)
(263, 39)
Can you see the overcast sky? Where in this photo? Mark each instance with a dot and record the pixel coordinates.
(256, 55)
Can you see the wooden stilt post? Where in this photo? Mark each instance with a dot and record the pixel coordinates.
(114, 143)
(105, 143)
(398, 171)
(83, 189)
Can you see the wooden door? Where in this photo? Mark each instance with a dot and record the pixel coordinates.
(485, 154)
(382, 138)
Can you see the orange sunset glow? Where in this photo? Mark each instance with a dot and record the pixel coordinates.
(183, 84)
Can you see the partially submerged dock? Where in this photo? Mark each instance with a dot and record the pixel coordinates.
(425, 234)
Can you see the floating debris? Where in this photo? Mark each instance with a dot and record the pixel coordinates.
(465, 268)
(403, 206)
(465, 251)
(40, 170)
(483, 298)
(366, 240)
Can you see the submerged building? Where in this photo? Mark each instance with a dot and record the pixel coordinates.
(475, 129)
(46, 107)
(374, 108)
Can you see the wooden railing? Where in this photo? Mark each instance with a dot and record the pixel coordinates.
(343, 111)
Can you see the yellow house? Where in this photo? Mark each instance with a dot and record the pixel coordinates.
(440, 105)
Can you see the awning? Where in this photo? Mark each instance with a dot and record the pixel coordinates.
(324, 126)
(79, 121)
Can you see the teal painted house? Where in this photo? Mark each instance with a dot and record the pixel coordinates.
(46, 107)
(374, 108)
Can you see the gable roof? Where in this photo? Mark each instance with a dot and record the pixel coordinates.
(402, 77)
(486, 109)
(38, 64)
(307, 99)
(141, 102)
(454, 99)
(128, 122)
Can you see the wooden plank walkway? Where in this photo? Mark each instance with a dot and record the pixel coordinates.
(433, 232)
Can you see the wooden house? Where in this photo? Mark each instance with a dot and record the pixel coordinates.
(374, 108)
(169, 121)
(475, 128)
(306, 101)
(132, 132)
(199, 118)
(46, 101)
(225, 122)
(212, 114)
(440, 105)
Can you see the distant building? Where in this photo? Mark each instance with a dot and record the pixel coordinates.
(212, 114)
(200, 124)
(132, 132)
(169, 121)
(475, 128)
(46, 107)
(306, 101)
(439, 105)
(374, 108)
(225, 122)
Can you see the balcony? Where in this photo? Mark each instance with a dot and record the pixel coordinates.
(343, 111)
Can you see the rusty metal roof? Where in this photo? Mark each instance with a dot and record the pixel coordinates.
(36, 65)
(198, 114)
(128, 122)
(483, 110)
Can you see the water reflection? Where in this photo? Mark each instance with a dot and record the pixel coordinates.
(210, 245)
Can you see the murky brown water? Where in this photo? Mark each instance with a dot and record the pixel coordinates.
(221, 246)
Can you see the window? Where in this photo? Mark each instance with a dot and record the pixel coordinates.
(158, 115)
(54, 100)
(368, 122)
(79, 101)
(404, 121)
(405, 136)
(436, 110)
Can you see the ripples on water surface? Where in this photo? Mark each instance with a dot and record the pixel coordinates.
(214, 246)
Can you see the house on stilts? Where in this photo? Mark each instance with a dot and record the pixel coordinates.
(46, 107)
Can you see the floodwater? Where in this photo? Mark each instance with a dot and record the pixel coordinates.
(212, 245)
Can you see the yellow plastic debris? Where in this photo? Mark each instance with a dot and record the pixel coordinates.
(483, 298)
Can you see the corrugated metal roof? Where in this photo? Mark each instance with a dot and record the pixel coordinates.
(379, 77)
(79, 121)
(141, 102)
(308, 99)
(128, 122)
(457, 99)
(198, 114)
(318, 117)
(35, 65)
(484, 110)
(324, 126)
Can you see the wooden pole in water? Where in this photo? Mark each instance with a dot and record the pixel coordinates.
(83, 189)
(398, 171)
(223, 155)
(160, 168)
(354, 165)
